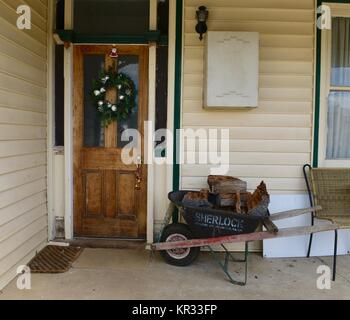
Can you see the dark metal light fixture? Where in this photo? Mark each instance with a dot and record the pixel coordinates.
(202, 17)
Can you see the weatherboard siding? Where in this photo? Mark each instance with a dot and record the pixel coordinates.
(273, 141)
(23, 127)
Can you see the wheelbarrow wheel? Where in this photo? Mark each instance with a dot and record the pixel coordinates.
(180, 257)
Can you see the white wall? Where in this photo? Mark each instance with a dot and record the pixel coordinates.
(323, 243)
(23, 108)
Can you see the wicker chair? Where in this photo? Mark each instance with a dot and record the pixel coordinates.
(330, 189)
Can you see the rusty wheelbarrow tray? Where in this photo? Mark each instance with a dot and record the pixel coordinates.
(179, 244)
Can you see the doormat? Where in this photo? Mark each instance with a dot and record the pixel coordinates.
(54, 259)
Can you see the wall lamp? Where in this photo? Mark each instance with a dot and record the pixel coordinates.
(202, 15)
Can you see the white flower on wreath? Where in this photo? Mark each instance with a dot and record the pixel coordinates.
(100, 103)
(114, 108)
(102, 90)
(97, 93)
(121, 97)
(105, 79)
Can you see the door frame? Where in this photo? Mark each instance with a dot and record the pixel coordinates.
(68, 125)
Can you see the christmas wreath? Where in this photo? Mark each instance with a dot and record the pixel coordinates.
(125, 102)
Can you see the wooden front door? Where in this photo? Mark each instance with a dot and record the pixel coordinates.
(108, 200)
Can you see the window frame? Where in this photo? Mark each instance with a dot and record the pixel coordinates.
(337, 10)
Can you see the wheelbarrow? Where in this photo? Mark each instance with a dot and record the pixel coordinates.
(180, 243)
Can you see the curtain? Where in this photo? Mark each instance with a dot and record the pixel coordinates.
(338, 146)
(338, 137)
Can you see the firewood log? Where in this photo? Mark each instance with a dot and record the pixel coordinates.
(257, 196)
(226, 184)
(238, 202)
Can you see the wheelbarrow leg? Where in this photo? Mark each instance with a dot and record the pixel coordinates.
(167, 218)
(225, 265)
(231, 257)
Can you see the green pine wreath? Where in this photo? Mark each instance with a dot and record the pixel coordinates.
(126, 94)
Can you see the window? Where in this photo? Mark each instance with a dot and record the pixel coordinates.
(162, 73)
(60, 14)
(59, 96)
(335, 90)
(59, 79)
(338, 120)
(163, 17)
(162, 87)
(111, 17)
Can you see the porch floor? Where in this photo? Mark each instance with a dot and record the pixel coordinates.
(137, 274)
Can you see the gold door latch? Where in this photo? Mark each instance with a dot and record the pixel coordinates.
(138, 174)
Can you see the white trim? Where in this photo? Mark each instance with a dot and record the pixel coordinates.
(50, 120)
(58, 244)
(153, 14)
(337, 10)
(68, 124)
(182, 83)
(313, 145)
(336, 163)
(151, 117)
(57, 39)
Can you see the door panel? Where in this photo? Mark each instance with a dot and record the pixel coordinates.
(126, 205)
(93, 187)
(108, 201)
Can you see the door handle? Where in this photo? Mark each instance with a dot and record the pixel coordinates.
(138, 174)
